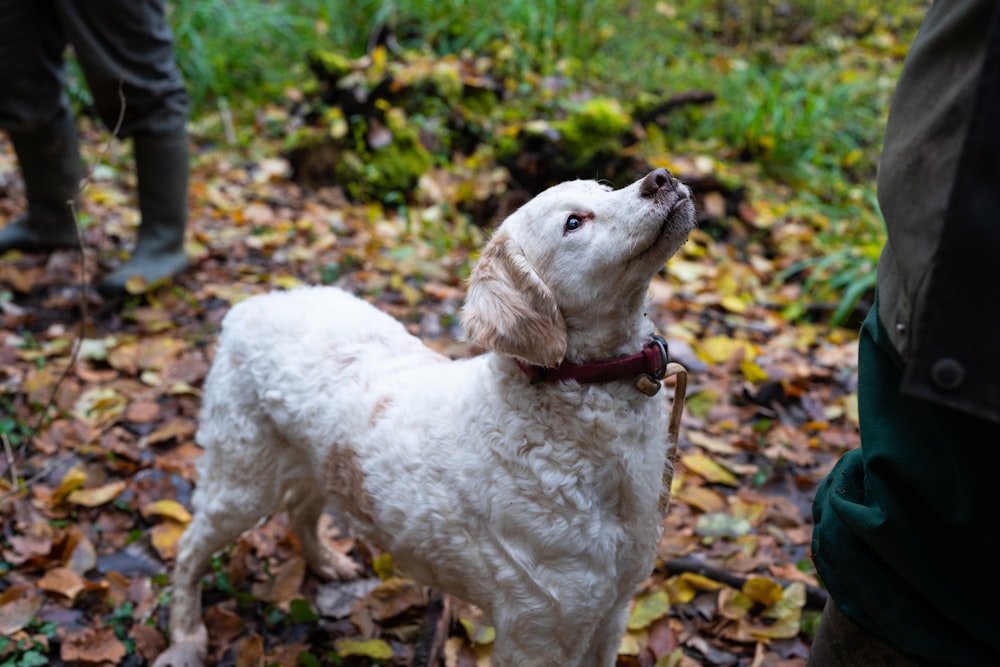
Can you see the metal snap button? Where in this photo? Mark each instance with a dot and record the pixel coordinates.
(948, 373)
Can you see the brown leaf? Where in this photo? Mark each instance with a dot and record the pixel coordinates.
(90, 645)
(18, 605)
(224, 625)
(149, 642)
(250, 651)
(78, 551)
(284, 585)
(62, 580)
(143, 412)
(178, 428)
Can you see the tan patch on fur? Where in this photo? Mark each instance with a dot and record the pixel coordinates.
(346, 481)
(510, 310)
(378, 411)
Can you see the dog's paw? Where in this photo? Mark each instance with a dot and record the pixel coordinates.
(184, 654)
(335, 566)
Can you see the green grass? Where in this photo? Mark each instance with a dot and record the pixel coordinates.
(802, 87)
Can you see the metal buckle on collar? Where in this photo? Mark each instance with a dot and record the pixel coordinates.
(661, 343)
(649, 383)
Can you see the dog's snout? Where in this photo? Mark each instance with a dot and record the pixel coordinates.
(655, 181)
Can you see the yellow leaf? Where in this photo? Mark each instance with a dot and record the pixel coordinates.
(719, 349)
(477, 632)
(376, 649)
(734, 304)
(648, 608)
(629, 645)
(382, 566)
(682, 588)
(165, 536)
(700, 498)
(97, 496)
(733, 604)
(762, 590)
(170, 509)
(851, 409)
(752, 372)
(286, 282)
(707, 467)
(71, 481)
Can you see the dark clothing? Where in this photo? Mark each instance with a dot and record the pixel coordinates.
(939, 190)
(117, 42)
(905, 531)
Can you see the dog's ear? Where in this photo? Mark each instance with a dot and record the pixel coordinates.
(510, 310)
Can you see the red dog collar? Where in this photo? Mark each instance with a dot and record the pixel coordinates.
(651, 362)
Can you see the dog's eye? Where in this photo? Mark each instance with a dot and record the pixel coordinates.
(573, 222)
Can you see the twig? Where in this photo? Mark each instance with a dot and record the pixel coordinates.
(84, 311)
(11, 465)
(815, 597)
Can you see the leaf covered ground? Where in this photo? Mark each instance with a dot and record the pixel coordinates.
(99, 403)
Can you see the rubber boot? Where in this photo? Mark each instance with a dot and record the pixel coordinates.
(840, 642)
(161, 163)
(50, 165)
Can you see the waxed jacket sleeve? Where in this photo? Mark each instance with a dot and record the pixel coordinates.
(939, 189)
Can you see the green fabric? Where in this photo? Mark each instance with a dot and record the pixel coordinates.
(906, 535)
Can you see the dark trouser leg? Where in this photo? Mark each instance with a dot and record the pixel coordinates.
(839, 642)
(125, 49)
(50, 164)
(34, 112)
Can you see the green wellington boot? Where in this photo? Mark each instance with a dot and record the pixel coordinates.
(49, 158)
(162, 174)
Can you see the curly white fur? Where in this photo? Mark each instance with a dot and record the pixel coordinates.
(538, 503)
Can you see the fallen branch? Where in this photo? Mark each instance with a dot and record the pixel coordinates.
(815, 597)
(433, 632)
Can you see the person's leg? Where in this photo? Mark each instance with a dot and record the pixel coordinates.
(125, 49)
(35, 113)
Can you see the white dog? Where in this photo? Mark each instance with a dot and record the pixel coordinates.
(528, 480)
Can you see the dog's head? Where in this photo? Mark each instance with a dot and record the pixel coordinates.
(574, 261)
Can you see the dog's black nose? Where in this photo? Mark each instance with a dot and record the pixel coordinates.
(655, 181)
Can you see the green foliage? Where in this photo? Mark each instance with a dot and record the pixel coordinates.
(802, 89)
(31, 651)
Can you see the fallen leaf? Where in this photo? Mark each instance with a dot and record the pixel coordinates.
(143, 412)
(284, 585)
(377, 649)
(648, 608)
(97, 496)
(250, 651)
(762, 590)
(165, 536)
(92, 645)
(170, 509)
(18, 605)
(62, 580)
(708, 468)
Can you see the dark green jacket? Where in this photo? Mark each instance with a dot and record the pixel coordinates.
(939, 191)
